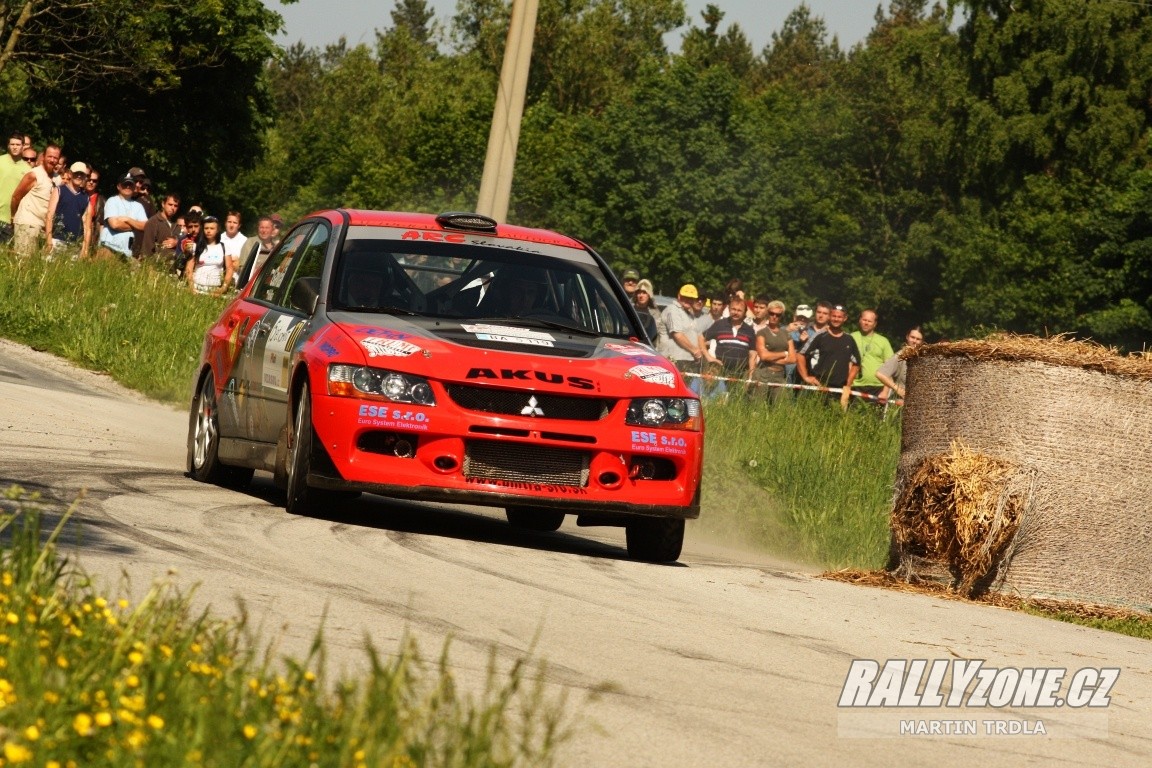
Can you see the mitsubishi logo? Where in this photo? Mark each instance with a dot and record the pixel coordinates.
(532, 409)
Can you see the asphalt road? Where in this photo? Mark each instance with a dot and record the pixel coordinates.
(725, 659)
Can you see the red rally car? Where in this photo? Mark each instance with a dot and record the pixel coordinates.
(448, 358)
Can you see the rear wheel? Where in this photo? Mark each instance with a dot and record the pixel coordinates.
(655, 540)
(534, 518)
(204, 441)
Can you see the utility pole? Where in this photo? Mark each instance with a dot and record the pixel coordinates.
(496, 183)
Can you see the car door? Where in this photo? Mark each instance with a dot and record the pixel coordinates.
(280, 330)
(262, 302)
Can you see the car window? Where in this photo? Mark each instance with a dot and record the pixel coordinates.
(270, 284)
(309, 261)
(479, 282)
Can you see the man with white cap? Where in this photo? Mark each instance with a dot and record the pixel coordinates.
(72, 209)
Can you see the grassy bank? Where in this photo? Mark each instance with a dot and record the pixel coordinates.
(141, 327)
(90, 680)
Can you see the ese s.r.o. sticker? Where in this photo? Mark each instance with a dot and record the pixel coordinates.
(654, 374)
(388, 347)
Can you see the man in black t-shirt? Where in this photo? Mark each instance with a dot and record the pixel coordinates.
(832, 358)
(735, 346)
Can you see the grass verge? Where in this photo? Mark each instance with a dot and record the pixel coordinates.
(91, 681)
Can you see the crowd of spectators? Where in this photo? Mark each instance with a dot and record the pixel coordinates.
(50, 206)
(724, 341)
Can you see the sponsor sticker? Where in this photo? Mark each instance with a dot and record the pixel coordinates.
(653, 442)
(967, 698)
(277, 351)
(653, 374)
(510, 334)
(628, 350)
(392, 418)
(388, 347)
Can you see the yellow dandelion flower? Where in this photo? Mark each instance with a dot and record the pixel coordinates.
(133, 681)
(32, 733)
(62, 662)
(122, 603)
(359, 756)
(310, 676)
(166, 651)
(136, 738)
(195, 648)
(3, 663)
(51, 697)
(17, 753)
(126, 716)
(12, 618)
(82, 724)
(86, 607)
(6, 579)
(135, 657)
(5, 686)
(155, 722)
(4, 639)
(52, 764)
(101, 602)
(249, 731)
(103, 719)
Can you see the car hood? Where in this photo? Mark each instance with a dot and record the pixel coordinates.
(524, 355)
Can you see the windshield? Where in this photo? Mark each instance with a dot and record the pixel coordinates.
(482, 280)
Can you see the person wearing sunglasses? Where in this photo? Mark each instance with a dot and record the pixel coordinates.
(12, 170)
(34, 203)
(774, 350)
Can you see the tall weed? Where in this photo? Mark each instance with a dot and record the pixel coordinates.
(810, 481)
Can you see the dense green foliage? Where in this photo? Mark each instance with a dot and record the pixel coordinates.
(973, 164)
(90, 680)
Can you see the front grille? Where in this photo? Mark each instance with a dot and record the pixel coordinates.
(514, 402)
(525, 463)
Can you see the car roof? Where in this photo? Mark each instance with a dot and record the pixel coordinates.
(427, 221)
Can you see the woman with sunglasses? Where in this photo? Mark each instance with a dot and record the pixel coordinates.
(774, 349)
(209, 269)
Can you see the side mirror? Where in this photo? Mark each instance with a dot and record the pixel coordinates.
(305, 294)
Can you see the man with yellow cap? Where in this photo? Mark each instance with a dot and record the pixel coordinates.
(682, 347)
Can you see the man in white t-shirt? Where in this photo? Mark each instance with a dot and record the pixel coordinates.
(232, 239)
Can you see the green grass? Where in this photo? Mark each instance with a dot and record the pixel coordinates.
(142, 327)
(86, 680)
(802, 479)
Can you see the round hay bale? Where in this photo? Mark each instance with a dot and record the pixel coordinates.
(1021, 470)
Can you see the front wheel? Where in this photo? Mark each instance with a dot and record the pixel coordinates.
(655, 540)
(301, 498)
(534, 519)
(204, 441)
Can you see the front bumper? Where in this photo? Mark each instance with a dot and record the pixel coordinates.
(446, 453)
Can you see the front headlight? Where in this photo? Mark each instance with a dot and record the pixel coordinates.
(379, 384)
(664, 412)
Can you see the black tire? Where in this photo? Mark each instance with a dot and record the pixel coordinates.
(655, 540)
(534, 518)
(301, 499)
(204, 442)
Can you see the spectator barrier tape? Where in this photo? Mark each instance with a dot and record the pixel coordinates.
(797, 387)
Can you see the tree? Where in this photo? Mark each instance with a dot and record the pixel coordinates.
(192, 123)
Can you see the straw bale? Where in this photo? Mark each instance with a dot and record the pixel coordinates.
(1021, 470)
(962, 509)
